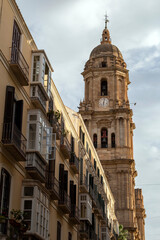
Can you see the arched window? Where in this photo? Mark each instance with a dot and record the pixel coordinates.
(104, 138)
(113, 142)
(4, 197)
(95, 140)
(104, 90)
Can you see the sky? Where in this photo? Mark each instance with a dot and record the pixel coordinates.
(68, 30)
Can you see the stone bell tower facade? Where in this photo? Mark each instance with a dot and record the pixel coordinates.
(108, 117)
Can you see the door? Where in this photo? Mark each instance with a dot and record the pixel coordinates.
(15, 43)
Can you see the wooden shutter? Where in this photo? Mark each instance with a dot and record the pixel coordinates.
(61, 176)
(66, 181)
(8, 114)
(9, 104)
(72, 143)
(72, 192)
(19, 114)
(58, 231)
(15, 42)
(83, 138)
(81, 169)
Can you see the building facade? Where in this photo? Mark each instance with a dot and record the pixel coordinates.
(108, 118)
(49, 168)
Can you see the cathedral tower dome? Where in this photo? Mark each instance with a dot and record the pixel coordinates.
(105, 54)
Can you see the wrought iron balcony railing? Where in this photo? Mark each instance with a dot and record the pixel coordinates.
(14, 141)
(52, 184)
(74, 215)
(65, 202)
(84, 187)
(19, 66)
(74, 162)
(55, 124)
(65, 147)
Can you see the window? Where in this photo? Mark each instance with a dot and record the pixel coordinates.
(4, 197)
(104, 64)
(41, 71)
(69, 236)
(90, 154)
(95, 140)
(39, 134)
(95, 164)
(104, 138)
(104, 90)
(58, 230)
(15, 43)
(113, 143)
(28, 191)
(98, 172)
(35, 207)
(87, 147)
(12, 116)
(72, 143)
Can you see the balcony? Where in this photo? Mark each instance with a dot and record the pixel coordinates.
(74, 163)
(97, 208)
(14, 141)
(93, 235)
(104, 220)
(84, 230)
(37, 97)
(65, 147)
(74, 215)
(52, 184)
(65, 202)
(93, 196)
(54, 124)
(35, 167)
(83, 184)
(19, 66)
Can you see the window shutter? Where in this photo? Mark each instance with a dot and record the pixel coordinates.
(83, 138)
(81, 169)
(9, 103)
(66, 181)
(72, 144)
(8, 113)
(61, 176)
(58, 231)
(74, 194)
(19, 114)
(15, 42)
(71, 192)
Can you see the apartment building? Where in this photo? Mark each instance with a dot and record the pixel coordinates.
(49, 168)
(96, 202)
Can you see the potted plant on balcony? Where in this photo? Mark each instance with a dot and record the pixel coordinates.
(64, 132)
(123, 233)
(17, 224)
(3, 216)
(57, 115)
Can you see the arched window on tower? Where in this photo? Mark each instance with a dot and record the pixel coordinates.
(104, 89)
(113, 142)
(95, 140)
(104, 138)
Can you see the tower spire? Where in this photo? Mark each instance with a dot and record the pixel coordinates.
(105, 34)
(106, 21)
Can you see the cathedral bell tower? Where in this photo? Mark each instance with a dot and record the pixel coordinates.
(108, 118)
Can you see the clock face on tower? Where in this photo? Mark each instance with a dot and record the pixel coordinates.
(103, 102)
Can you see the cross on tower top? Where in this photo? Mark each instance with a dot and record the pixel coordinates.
(106, 21)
